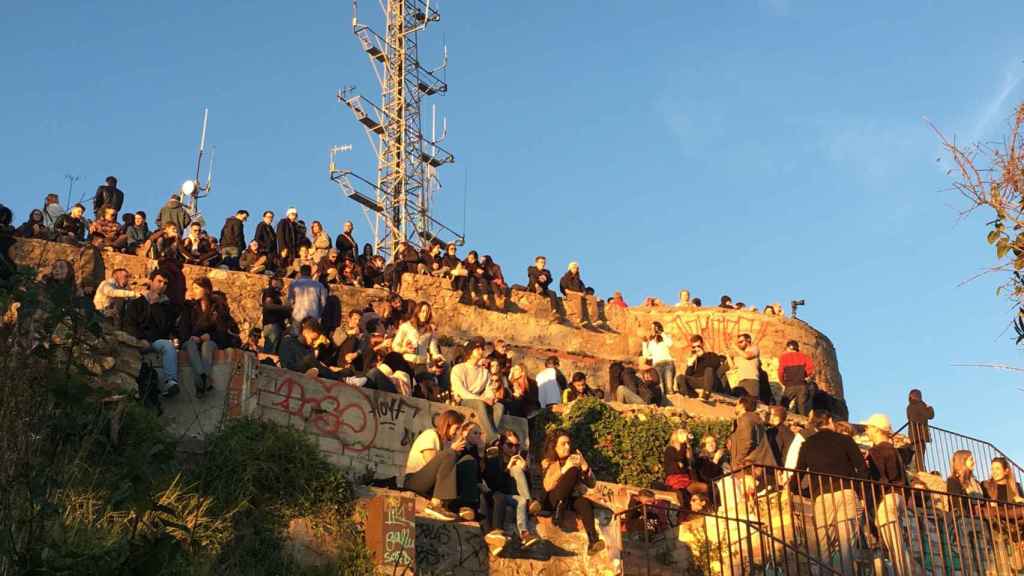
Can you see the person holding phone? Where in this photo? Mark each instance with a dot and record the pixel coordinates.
(567, 475)
(440, 467)
(505, 475)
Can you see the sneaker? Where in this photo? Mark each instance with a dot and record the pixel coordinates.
(172, 389)
(359, 381)
(534, 508)
(496, 541)
(467, 514)
(438, 513)
(527, 538)
(595, 547)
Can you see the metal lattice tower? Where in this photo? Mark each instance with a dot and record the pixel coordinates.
(397, 202)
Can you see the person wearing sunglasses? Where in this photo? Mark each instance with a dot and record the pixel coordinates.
(505, 474)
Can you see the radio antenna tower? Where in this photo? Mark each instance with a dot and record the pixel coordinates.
(397, 202)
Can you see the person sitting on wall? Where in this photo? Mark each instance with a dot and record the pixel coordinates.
(472, 387)
(203, 328)
(477, 283)
(353, 346)
(505, 475)
(704, 369)
(303, 352)
(34, 227)
(70, 226)
(416, 341)
(640, 387)
(404, 260)
(112, 294)
(449, 262)
(566, 473)
(104, 231)
(522, 400)
(677, 460)
(331, 261)
(197, 249)
(252, 260)
(303, 259)
(539, 276)
(137, 233)
(726, 303)
(550, 383)
(151, 318)
(52, 210)
(430, 468)
(577, 389)
(571, 281)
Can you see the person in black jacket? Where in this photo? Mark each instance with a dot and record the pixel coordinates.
(539, 276)
(345, 243)
(275, 314)
(780, 436)
(918, 415)
(107, 196)
(70, 226)
(505, 473)
(196, 248)
(7, 241)
(828, 454)
(151, 318)
(265, 235)
(571, 281)
(289, 236)
(204, 327)
(704, 369)
(232, 238)
(303, 352)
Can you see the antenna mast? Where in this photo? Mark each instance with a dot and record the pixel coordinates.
(397, 202)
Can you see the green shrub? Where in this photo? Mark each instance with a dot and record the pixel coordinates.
(625, 449)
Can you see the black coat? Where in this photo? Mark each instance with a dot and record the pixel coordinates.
(266, 238)
(346, 245)
(214, 321)
(66, 225)
(150, 321)
(571, 283)
(107, 197)
(289, 236)
(232, 235)
(539, 279)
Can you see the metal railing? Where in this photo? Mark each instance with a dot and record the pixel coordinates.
(934, 447)
(781, 521)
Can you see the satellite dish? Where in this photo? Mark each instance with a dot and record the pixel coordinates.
(188, 187)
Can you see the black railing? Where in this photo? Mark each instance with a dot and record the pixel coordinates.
(854, 526)
(934, 448)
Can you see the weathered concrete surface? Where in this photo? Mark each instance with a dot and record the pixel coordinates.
(575, 327)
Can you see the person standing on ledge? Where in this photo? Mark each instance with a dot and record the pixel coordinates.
(796, 369)
(746, 359)
(918, 415)
(107, 196)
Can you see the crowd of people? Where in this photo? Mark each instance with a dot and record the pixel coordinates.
(469, 468)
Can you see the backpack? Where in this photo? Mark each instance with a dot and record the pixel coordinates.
(148, 391)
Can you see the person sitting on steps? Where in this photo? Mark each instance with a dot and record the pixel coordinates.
(567, 476)
(505, 473)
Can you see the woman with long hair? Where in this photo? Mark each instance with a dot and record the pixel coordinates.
(966, 509)
(961, 481)
(1003, 490)
(522, 399)
(657, 349)
(322, 243)
(203, 328)
(678, 460)
(567, 474)
(416, 342)
(439, 458)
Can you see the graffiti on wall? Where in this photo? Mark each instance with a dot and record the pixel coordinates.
(444, 548)
(719, 331)
(371, 427)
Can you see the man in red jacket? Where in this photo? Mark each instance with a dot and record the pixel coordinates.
(795, 371)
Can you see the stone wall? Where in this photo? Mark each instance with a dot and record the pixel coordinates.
(365, 431)
(577, 329)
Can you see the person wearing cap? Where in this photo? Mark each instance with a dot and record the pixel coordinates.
(471, 386)
(289, 236)
(885, 500)
(173, 213)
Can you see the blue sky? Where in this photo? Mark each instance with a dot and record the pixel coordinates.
(769, 149)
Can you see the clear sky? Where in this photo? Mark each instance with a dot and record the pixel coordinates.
(771, 150)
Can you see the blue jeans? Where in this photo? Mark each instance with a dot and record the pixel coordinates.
(169, 357)
(488, 416)
(200, 357)
(667, 374)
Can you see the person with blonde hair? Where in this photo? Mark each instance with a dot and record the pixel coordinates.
(571, 281)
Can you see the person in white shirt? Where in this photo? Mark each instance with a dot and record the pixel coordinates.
(746, 360)
(472, 387)
(657, 349)
(549, 386)
(431, 463)
(112, 293)
(416, 341)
